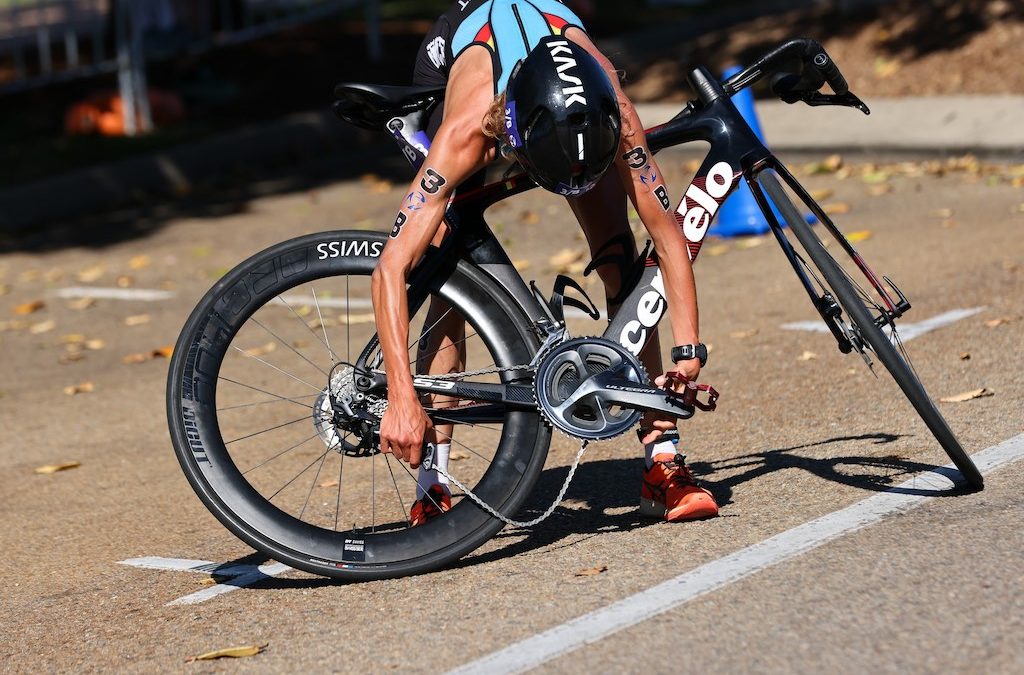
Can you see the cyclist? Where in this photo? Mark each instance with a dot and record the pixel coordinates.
(524, 77)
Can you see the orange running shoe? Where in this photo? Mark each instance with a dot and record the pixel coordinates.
(671, 492)
(437, 501)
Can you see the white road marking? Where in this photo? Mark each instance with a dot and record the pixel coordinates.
(241, 575)
(907, 331)
(635, 609)
(136, 294)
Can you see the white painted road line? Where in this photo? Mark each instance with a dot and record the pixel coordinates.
(907, 331)
(241, 575)
(590, 628)
(136, 294)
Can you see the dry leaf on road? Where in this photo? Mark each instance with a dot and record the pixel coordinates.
(521, 265)
(1001, 321)
(943, 213)
(42, 327)
(350, 319)
(965, 356)
(564, 258)
(822, 195)
(27, 308)
(137, 320)
(879, 190)
(743, 334)
(136, 358)
(91, 274)
(859, 235)
(208, 581)
(83, 388)
(968, 396)
(457, 455)
(163, 352)
(4, 289)
(125, 281)
(82, 304)
(717, 250)
(592, 571)
(807, 356)
(749, 242)
(54, 468)
(72, 339)
(12, 325)
(230, 652)
(531, 217)
(837, 208)
(329, 483)
(139, 262)
(95, 345)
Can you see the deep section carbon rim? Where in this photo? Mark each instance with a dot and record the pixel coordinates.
(255, 428)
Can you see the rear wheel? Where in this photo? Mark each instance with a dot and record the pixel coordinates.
(254, 409)
(865, 335)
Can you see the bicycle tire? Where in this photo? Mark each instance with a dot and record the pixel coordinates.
(880, 344)
(193, 417)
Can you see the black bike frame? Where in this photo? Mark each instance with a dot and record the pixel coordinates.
(735, 153)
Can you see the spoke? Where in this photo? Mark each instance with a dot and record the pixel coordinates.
(297, 445)
(438, 351)
(426, 331)
(327, 340)
(271, 497)
(460, 422)
(303, 322)
(268, 393)
(462, 445)
(405, 511)
(270, 365)
(341, 471)
(348, 321)
(286, 344)
(259, 403)
(414, 480)
(312, 485)
(274, 428)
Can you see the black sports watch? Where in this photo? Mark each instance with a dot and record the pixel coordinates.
(687, 352)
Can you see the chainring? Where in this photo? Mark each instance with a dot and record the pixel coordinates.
(568, 397)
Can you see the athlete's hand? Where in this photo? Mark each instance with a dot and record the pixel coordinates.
(402, 429)
(657, 423)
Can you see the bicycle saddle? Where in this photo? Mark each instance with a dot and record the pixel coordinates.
(372, 106)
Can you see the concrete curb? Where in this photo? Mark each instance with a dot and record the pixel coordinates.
(982, 124)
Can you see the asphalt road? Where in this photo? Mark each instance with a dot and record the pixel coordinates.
(801, 432)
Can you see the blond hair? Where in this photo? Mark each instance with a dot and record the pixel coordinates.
(493, 123)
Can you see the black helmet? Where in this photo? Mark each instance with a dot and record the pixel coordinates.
(562, 117)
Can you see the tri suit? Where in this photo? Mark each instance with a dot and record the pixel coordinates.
(509, 29)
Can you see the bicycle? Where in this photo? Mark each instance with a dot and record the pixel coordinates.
(265, 447)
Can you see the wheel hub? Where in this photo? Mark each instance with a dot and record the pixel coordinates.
(345, 419)
(570, 393)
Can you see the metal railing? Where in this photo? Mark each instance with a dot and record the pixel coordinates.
(43, 42)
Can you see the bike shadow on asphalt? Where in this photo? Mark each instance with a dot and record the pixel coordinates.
(604, 494)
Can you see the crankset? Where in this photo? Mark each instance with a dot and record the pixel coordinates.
(595, 389)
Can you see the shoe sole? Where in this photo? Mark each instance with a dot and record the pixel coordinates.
(652, 509)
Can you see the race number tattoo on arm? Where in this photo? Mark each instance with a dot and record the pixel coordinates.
(636, 158)
(399, 224)
(432, 182)
(662, 194)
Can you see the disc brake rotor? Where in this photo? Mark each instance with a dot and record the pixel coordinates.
(570, 393)
(345, 419)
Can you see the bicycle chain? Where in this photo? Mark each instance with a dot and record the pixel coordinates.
(480, 502)
(505, 519)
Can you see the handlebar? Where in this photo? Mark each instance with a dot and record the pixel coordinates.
(817, 68)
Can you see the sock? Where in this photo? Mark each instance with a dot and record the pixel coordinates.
(651, 450)
(432, 477)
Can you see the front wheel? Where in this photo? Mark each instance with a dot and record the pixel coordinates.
(278, 441)
(866, 334)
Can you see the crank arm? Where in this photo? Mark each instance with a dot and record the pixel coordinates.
(628, 394)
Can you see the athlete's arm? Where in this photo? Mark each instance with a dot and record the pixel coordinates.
(645, 186)
(459, 149)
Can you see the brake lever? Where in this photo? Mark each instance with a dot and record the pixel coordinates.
(847, 100)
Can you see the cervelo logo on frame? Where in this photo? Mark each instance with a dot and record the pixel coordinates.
(574, 94)
(703, 199)
(649, 310)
